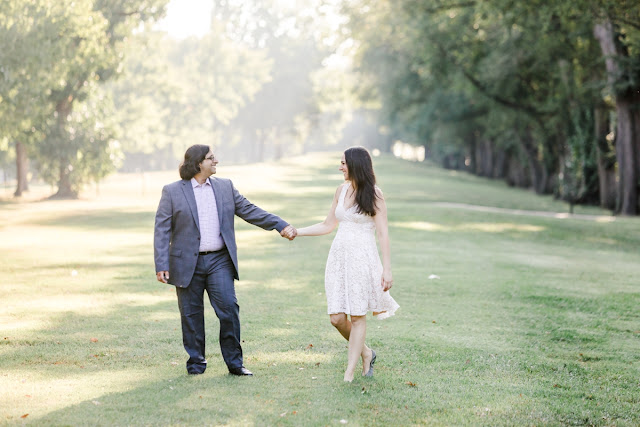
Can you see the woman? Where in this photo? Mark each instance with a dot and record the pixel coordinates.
(355, 279)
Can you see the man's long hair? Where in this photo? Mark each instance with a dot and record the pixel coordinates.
(192, 159)
(361, 175)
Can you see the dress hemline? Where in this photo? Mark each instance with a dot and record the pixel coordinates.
(382, 314)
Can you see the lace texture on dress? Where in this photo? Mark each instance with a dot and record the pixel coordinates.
(353, 275)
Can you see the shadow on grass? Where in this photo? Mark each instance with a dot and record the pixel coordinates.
(178, 400)
(146, 342)
(101, 220)
(85, 266)
(9, 204)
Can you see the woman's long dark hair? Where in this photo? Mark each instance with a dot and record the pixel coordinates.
(192, 159)
(361, 175)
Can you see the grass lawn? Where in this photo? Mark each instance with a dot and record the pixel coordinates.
(531, 321)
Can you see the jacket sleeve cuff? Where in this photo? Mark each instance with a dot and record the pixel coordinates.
(281, 225)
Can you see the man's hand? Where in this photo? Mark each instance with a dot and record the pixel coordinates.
(162, 276)
(289, 232)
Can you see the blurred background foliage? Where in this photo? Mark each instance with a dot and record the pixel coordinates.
(541, 94)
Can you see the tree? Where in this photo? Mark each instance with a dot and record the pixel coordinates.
(280, 114)
(78, 44)
(150, 103)
(177, 93)
(29, 45)
(515, 86)
(271, 119)
(620, 50)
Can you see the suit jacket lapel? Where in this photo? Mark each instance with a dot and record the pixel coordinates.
(217, 192)
(187, 189)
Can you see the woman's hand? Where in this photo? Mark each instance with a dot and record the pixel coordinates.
(387, 280)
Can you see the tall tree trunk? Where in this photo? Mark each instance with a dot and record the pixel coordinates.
(65, 191)
(605, 157)
(499, 164)
(22, 169)
(627, 147)
(537, 168)
(516, 174)
(473, 154)
(628, 128)
(484, 158)
(65, 185)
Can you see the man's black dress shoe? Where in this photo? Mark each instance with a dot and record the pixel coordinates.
(240, 371)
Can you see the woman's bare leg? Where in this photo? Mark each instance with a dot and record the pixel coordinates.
(343, 325)
(356, 344)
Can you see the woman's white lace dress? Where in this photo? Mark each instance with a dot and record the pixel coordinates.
(353, 274)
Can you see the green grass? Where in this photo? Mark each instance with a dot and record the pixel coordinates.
(533, 320)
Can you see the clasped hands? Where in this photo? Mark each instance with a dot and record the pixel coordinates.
(289, 232)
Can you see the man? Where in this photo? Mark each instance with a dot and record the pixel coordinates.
(195, 250)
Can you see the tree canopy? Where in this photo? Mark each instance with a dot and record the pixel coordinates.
(57, 55)
(541, 94)
(510, 89)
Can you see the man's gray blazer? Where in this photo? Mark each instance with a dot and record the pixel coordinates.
(176, 238)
